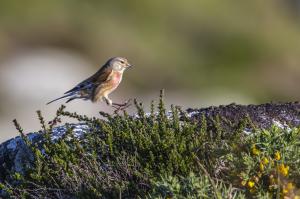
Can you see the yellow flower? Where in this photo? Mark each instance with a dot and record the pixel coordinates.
(254, 150)
(265, 161)
(290, 186)
(250, 184)
(284, 170)
(261, 166)
(285, 191)
(277, 155)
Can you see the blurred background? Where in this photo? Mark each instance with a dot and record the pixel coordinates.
(205, 52)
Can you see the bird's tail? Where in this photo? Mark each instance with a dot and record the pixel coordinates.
(68, 95)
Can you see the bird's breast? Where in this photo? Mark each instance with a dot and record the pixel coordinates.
(116, 78)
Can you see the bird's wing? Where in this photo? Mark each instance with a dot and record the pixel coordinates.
(90, 83)
(103, 75)
(86, 84)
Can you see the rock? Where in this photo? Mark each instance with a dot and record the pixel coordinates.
(284, 115)
(15, 155)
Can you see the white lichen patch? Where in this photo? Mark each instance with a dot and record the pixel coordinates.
(78, 131)
(191, 114)
(281, 125)
(247, 131)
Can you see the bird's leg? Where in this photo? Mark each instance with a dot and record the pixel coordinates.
(118, 107)
(108, 101)
(124, 104)
(121, 107)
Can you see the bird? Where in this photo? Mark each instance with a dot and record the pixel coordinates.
(98, 86)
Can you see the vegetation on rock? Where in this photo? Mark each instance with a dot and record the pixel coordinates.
(159, 155)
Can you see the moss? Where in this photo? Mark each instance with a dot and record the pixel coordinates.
(160, 155)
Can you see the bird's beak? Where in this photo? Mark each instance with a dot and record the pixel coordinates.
(129, 65)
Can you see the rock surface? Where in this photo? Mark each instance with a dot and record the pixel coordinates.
(284, 115)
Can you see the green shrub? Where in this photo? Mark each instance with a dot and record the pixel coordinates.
(161, 155)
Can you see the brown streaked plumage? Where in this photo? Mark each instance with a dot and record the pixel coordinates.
(101, 84)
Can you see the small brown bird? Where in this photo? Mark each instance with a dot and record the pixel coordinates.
(101, 84)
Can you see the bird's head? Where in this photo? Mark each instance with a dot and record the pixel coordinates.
(119, 63)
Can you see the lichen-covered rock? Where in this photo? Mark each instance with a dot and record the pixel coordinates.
(284, 115)
(15, 155)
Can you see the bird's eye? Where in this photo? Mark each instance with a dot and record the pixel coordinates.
(122, 62)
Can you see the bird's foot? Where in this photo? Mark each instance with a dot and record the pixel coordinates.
(120, 107)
